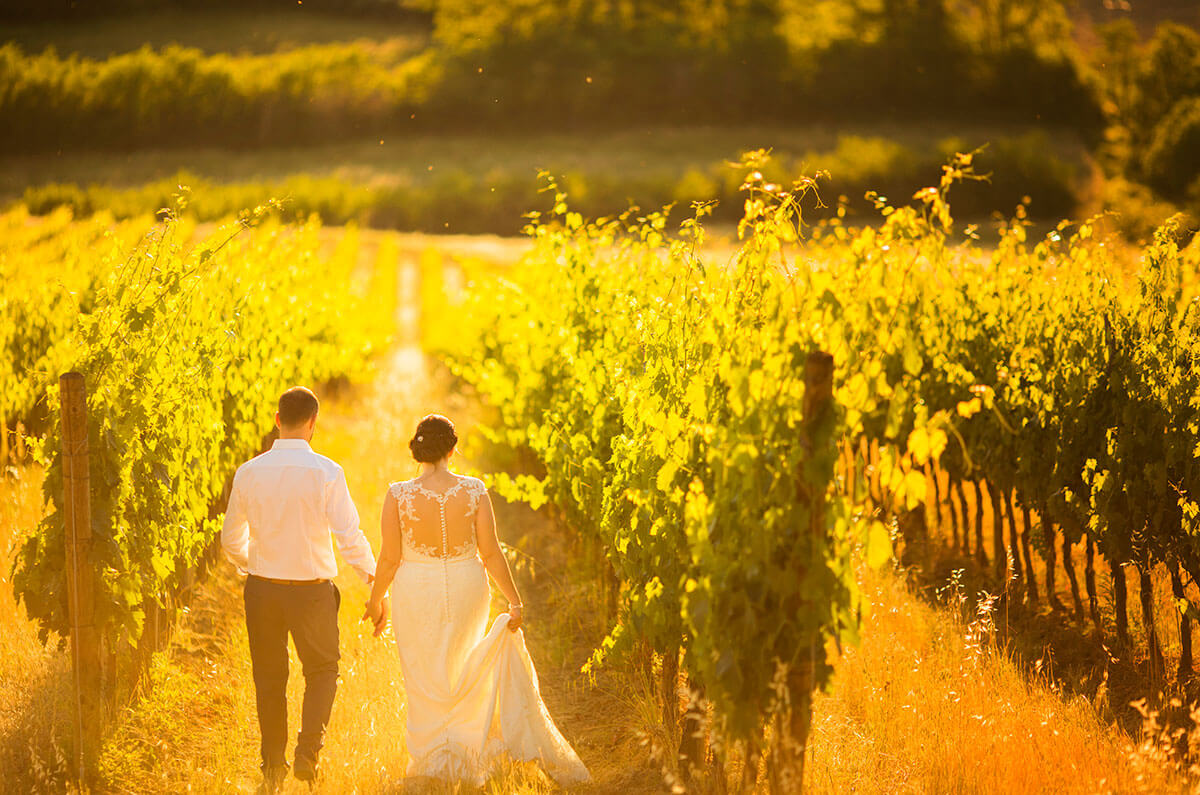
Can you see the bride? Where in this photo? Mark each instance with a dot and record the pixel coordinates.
(472, 691)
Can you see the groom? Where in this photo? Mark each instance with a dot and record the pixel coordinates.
(283, 507)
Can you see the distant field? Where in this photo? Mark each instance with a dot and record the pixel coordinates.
(215, 31)
(407, 159)
(469, 183)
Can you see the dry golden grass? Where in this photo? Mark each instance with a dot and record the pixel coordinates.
(35, 679)
(1077, 655)
(927, 704)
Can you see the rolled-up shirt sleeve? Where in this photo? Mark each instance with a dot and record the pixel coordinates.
(343, 523)
(235, 531)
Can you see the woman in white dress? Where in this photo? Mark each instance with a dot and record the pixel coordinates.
(472, 691)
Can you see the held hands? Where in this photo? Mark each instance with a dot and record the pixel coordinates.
(376, 613)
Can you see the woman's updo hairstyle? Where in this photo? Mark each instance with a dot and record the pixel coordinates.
(434, 439)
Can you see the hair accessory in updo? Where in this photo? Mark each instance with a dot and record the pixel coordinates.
(434, 440)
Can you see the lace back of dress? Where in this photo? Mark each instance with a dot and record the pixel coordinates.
(455, 508)
(439, 523)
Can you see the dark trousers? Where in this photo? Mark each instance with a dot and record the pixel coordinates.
(309, 614)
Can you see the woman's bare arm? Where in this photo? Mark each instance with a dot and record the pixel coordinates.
(494, 561)
(389, 560)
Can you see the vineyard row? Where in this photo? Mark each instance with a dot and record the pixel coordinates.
(662, 394)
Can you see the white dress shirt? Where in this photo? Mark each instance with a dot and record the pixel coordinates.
(283, 507)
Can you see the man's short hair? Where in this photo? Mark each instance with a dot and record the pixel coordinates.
(297, 406)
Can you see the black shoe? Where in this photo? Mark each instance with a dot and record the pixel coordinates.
(273, 778)
(305, 769)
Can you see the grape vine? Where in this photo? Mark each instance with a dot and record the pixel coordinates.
(660, 391)
(185, 346)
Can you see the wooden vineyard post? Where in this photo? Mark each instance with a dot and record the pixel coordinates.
(85, 646)
(818, 399)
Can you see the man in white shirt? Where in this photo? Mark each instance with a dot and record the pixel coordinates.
(283, 508)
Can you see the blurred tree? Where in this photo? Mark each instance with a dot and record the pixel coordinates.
(471, 24)
(915, 49)
(809, 25)
(82, 9)
(998, 27)
(1152, 102)
(1171, 160)
(903, 24)
(1117, 62)
(702, 57)
(1169, 71)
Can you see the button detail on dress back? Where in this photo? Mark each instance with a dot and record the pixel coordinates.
(445, 553)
